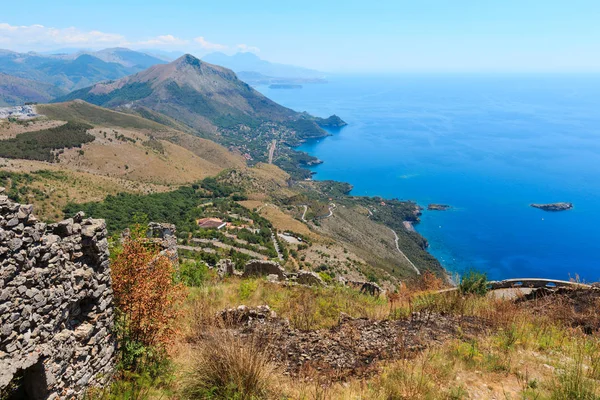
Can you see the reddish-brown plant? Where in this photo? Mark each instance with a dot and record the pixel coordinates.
(147, 297)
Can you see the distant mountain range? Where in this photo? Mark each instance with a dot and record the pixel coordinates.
(255, 70)
(17, 91)
(52, 74)
(74, 71)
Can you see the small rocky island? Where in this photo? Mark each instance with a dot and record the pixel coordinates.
(332, 122)
(553, 206)
(438, 207)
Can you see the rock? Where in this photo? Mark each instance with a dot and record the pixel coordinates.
(272, 278)
(438, 207)
(553, 206)
(24, 211)
(64, 228)
(309, 278)
(225, 267)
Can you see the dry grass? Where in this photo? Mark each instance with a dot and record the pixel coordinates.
(520, 352)
(224, 366)
(10, 129)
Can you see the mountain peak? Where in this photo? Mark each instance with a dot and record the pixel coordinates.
(188, 59)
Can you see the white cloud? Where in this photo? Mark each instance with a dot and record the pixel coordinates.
(163, 40)
(244, 48)
(205, 44)
(41, 37)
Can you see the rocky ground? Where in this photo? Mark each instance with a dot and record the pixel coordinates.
(351, 349)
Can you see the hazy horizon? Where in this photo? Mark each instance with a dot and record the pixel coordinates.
(351, 36)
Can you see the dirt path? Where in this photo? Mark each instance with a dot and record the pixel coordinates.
(404, 255)
(304, 213)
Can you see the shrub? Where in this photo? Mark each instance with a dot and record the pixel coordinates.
(193, 273)
(147, 300)
(326, 277)
(474, 283)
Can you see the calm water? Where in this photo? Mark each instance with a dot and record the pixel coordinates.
(487, 145)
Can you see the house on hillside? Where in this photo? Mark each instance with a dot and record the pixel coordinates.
(211, 223)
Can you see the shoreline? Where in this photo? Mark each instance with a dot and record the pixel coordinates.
(408, 225)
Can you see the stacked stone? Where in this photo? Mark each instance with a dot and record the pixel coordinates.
(165, 235)
(56, 309)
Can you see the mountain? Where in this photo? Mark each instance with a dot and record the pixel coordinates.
(163, 54)
(75, 71)
(203, 96)
(17, 91)
(250, 62)
(127, 58)
(212, 102)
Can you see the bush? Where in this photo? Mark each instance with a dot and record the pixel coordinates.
(474, 283)
(147, 301)
(227, 367)
(193, 274)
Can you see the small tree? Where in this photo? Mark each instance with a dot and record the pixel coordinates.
(474, 283)
(147, 299)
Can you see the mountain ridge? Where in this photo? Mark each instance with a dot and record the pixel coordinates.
(212, 102)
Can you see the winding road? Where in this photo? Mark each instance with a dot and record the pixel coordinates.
(304, 213)
(404, 255)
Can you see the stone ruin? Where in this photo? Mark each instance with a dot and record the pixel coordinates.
(166, 236)
(275, 273)
(262, 267)
(56, 309)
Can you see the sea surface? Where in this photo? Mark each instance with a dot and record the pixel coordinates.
(488, 145)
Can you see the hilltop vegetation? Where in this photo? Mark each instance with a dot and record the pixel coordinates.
(42, 145)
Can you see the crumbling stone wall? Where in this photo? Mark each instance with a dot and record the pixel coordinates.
(261, 267)
(56, 309)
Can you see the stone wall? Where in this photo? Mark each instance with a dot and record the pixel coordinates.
(56, 310)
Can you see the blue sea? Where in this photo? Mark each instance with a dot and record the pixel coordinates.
(488, 145)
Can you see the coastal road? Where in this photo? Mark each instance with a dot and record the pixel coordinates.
(402, 253)
(272, 150)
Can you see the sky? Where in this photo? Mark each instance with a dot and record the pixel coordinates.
(337, 36)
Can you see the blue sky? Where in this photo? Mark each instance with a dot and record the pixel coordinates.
(337, 36)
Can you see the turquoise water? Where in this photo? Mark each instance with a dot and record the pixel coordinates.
(487, 145)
